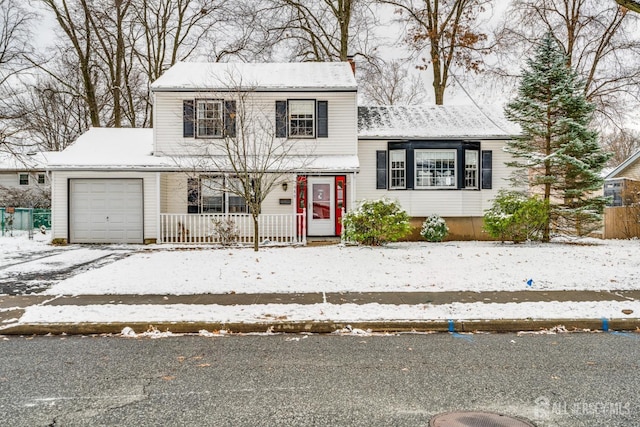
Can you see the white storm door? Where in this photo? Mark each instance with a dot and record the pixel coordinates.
(321, 206)
(105, 211)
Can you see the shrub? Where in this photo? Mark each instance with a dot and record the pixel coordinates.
(376, 222)
(516, 217)
(434, 228)
(226, 231)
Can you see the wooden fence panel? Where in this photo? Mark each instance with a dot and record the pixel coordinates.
(622, 222)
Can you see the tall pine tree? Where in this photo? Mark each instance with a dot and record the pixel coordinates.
(557, 156)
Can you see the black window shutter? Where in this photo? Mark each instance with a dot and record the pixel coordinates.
(281, 119)
(188, 118)
(487, 160)
(193, 195)
(381, 169)
(230, 118)
(323, 119)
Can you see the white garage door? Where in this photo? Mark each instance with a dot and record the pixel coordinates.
(105, 211)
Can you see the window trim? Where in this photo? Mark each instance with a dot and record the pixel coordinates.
(314, 118)
(477, 170)
(27, 179)
(453, 179)
(199, 109)
(392, 169)
(196, 204)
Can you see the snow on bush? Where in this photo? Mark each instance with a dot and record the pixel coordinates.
(434, 228)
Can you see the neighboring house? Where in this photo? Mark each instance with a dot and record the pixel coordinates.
(622, 179)
(445, 160)
(143, 185)
(23, 178)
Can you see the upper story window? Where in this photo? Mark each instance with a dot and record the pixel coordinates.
(209, 119)
(302, 118)
(435, 168)
(398, 169)
(23, 179)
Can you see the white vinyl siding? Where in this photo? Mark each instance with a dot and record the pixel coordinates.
(418, 203)
(173, 195)
(59, 199)
(342, 120)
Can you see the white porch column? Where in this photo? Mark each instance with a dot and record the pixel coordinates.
(158, 209)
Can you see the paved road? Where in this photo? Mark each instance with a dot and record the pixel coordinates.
(552, 380)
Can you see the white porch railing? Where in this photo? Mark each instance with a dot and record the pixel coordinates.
(201, 228)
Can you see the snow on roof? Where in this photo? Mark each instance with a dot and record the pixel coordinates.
(622, 166)
(111, 148)
(322, 76)
(433, 122)
(23, 162)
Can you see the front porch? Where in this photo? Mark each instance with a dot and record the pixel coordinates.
(232, 229)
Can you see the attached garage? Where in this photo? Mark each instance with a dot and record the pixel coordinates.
(106, 210)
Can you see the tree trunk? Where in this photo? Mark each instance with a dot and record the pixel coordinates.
(256, 232)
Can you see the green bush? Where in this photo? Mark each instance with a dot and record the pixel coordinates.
(434, 228)
(516, 217)
(375, 223)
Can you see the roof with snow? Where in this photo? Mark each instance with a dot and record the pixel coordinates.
(433, 122)
(23, 162)
(132, 149)
(302, 76)
(618, 171)
(111, 148)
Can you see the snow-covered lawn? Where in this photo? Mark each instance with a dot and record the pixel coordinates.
(452, 266)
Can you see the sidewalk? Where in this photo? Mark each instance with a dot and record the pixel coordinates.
(189, 308)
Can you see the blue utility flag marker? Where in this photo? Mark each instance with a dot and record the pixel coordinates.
(605, 325)
(452, 331)
(530, 282)
(451, 328)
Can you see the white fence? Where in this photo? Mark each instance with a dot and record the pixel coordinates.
(232, 228)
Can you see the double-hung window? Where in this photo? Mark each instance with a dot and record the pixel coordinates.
(398, 169)
(41, 178)
(435, 168)
(23, 179)
(471, 169)
(302, 118)
(209, 118)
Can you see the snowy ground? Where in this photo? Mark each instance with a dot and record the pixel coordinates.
(452, 266)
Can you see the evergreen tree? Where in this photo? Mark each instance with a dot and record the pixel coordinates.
(557, 155)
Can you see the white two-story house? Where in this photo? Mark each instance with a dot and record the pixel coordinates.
(172, 183)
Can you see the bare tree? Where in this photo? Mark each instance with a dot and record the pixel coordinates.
(622, 143)
(325, 30)
(15, 58)
(254, 160)
(448, 31)
(391, 83)
(600, 39)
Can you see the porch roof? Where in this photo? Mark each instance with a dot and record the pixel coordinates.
(433, 122)
(132, 149)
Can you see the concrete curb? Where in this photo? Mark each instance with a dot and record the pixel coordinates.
(325, 327)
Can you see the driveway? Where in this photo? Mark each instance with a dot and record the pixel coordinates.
(26, 271)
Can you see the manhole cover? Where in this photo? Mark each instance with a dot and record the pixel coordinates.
(476, 419)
